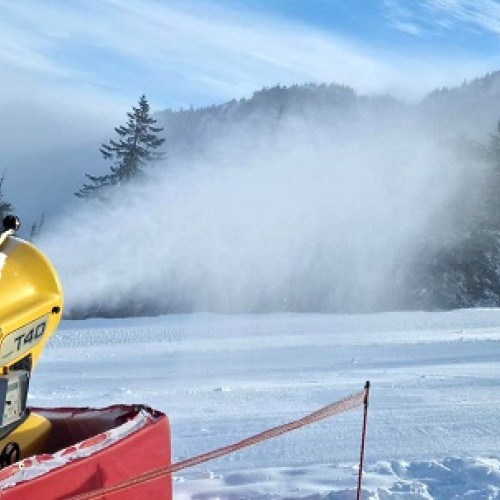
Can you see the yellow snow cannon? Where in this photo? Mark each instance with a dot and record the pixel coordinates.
(31, 302)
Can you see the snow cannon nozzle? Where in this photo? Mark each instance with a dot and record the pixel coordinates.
(11, 222)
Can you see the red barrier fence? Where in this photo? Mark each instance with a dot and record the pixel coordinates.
(341, 406)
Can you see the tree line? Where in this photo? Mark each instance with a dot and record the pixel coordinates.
(465, 272)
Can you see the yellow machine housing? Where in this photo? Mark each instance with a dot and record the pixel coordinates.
(31, 302)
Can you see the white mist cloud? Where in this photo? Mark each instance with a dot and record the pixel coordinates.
(309, 218)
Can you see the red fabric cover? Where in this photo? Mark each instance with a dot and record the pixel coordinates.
(146, 449)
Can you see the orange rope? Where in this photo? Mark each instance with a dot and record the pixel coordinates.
(341, 406)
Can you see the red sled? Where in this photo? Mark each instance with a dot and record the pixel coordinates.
(92, 449)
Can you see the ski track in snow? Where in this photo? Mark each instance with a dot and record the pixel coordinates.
(434, 407)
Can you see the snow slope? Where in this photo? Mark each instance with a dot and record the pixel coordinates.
(433, 429)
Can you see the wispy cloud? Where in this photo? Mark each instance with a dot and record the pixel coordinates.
(179, 47)
(189, 52)
(431, 16)
(402, 17)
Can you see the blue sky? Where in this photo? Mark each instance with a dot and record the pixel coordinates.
(91, 59)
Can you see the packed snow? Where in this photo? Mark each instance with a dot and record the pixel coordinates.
(433, 421)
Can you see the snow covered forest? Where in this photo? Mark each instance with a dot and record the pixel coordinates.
(304, 198)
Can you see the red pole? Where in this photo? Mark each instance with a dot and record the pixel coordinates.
(363, 438)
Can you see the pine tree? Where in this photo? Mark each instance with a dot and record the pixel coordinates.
(135, 148)
(466, 272)
(36, 228)
(5, 206)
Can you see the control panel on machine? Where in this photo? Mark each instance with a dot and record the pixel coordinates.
(13, 393)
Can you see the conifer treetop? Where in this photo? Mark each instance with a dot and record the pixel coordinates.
(135, 147)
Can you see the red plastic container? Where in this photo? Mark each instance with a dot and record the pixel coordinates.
(90, 449)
